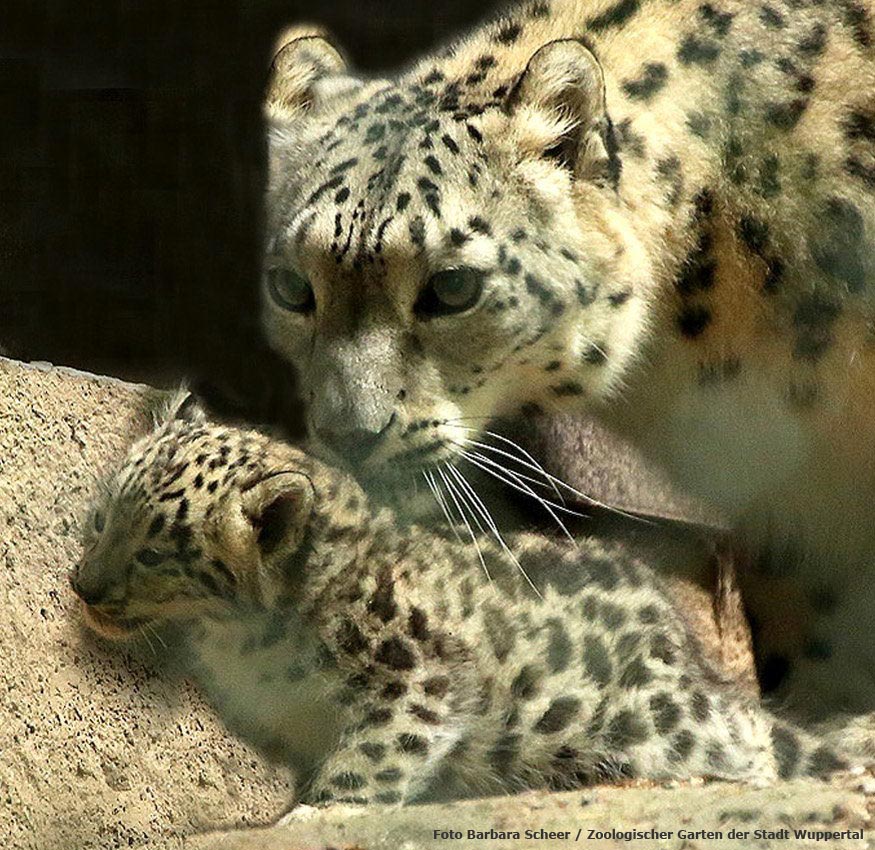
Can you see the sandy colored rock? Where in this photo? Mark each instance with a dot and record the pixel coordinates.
(583, 452)
(96, 749)
(712, 808)
(100, 748)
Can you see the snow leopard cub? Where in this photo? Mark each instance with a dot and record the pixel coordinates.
(383, 661)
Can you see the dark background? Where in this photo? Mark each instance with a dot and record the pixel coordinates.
(131, 166)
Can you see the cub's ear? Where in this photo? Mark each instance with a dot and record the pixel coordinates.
(182, 406)
(303, 58)
(278, 510)
(566, 80)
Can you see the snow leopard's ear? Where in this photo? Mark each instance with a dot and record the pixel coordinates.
(305, 63)
(277, 511)
(565, 80)
(182, 406)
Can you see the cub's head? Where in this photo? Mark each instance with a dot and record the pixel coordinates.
(445, 248)
(203, 519)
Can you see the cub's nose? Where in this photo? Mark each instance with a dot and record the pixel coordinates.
(90, 594)
(353, 443)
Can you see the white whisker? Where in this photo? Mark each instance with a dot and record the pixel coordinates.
(519, 478)
(521, 487)
(534, 481)
(439, 498)
(552, 478)
(145, 637)
(481, 508)
(155, 634)
(529, 458)
(464, 502)
(451, 491)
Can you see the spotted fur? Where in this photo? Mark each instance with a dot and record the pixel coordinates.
(382, 663)
(672, 203)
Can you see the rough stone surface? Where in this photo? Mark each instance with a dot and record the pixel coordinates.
(100, 749)
(610, 470)
(97, 751)
(711, 808)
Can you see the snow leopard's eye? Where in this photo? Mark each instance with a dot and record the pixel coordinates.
(150, 557)
(450, 291)
(290, 290)
(99, 521)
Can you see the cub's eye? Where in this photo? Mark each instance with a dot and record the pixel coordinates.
(450, 291)
(290, 290)
(99, 521)
(150, 557)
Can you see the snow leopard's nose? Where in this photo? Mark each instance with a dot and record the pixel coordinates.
(94, 586)
(353, 443)
(89, 591)
(355, 396)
